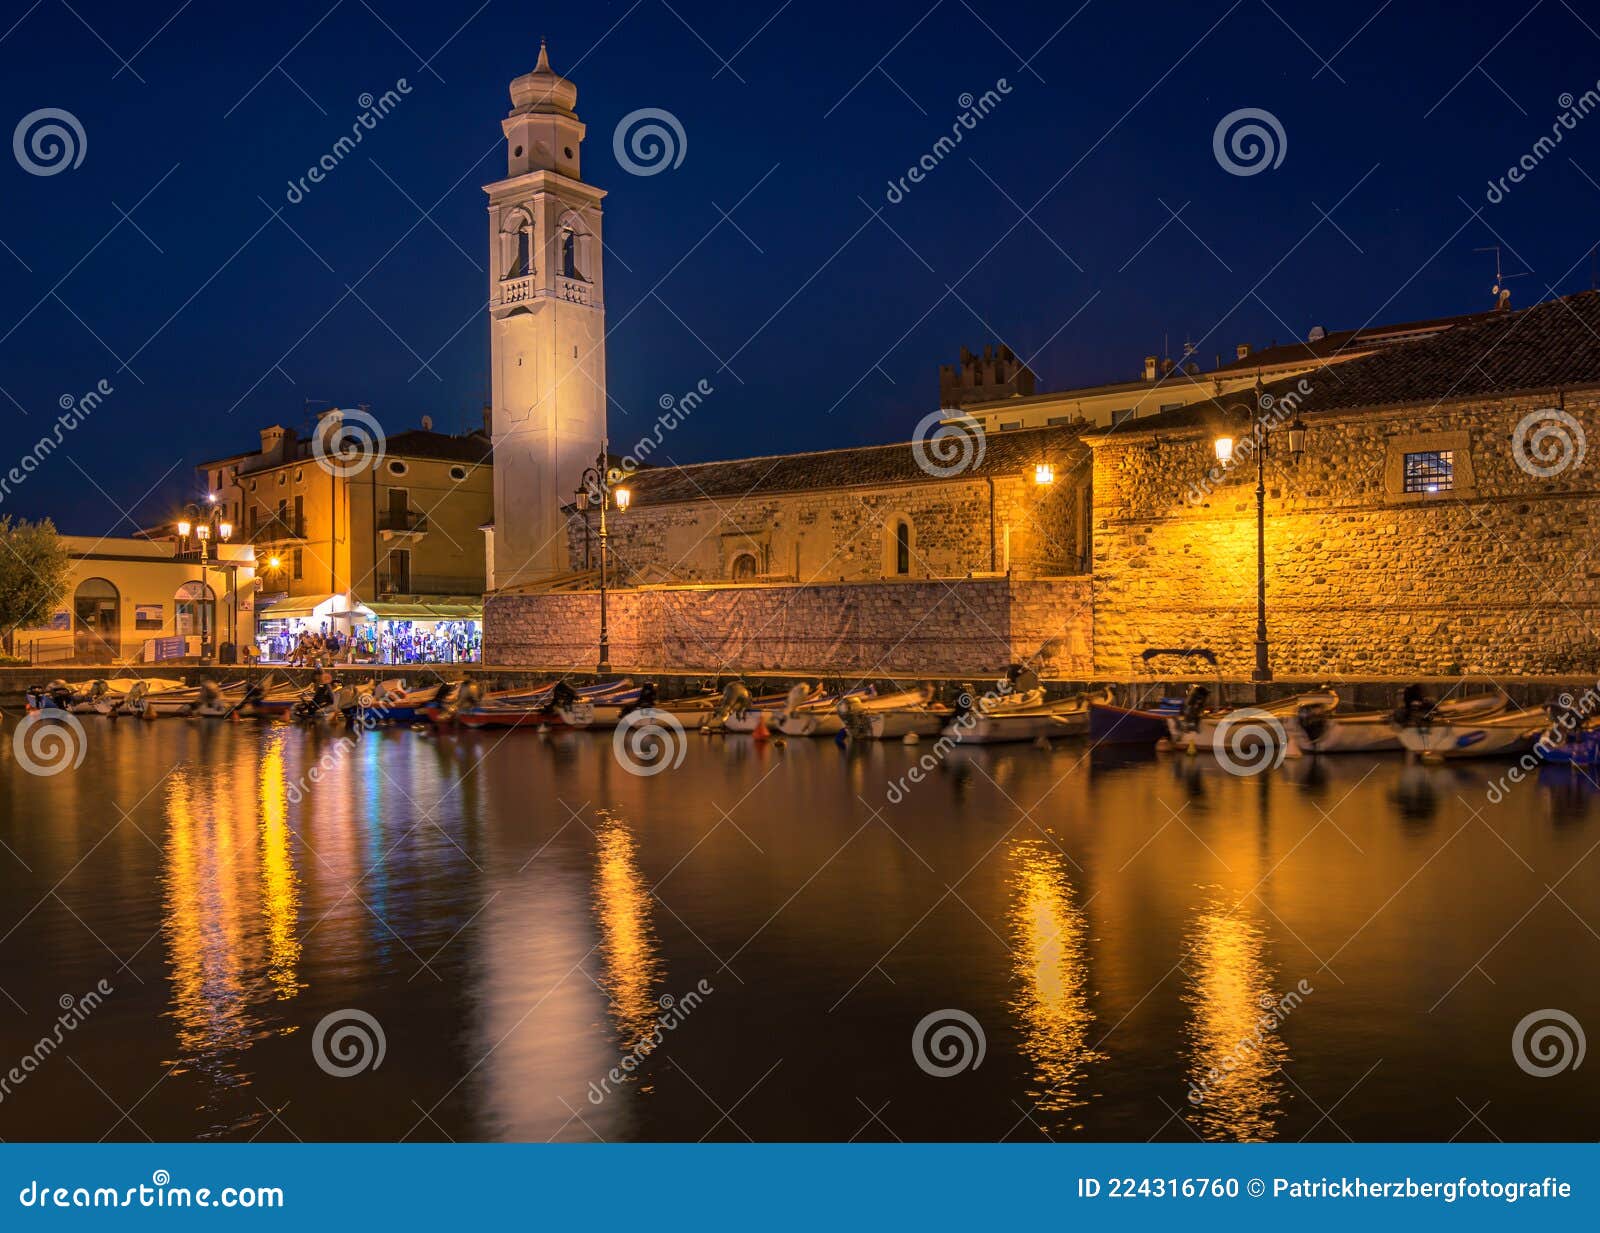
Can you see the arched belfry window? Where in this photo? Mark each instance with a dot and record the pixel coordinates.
(574, 252)
(517, 244)
(902, 547)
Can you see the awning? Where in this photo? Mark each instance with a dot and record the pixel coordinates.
(294, 606)
(439, 610)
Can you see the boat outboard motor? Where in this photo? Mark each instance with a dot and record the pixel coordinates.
(59, 693)
(735, 701)
(1314, 718)
(966, 701)
(646, 701)
(1566, 722)
(562, 696)
(210, 697)
(1415, 707)
(1194, 708)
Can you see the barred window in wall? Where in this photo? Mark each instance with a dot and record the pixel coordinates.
(1431, 471)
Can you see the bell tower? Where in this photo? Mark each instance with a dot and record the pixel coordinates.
(547, 332)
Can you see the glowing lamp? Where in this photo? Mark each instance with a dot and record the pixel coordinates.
(1044, 473)
(225, 529)
(1297, 439)
(211, 498)
(203, 531)
(183, 528)
(623, 496)
(1224, 447)
(274, 563)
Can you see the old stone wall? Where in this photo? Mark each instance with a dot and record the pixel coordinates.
(1496, 575)
(933, 627)
(957, 527)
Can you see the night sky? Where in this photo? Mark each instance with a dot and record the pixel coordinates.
(815, 323)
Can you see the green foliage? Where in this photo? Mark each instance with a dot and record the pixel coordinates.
(34, 570)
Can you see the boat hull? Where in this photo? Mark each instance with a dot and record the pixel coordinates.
(1123, 725)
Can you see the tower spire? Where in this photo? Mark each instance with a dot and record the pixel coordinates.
(544, 58)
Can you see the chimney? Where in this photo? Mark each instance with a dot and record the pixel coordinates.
(427, 423)
(1242, 351)
(1149, 368)
(488, 420)
(1166, 367)
(277, 443)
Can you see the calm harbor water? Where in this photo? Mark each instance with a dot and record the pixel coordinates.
(514, 912)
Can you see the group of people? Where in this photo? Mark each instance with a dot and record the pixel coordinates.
(398, 642)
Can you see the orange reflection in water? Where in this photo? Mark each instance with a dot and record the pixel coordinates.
(1236, 1089)
(1050, 964)
(627, 942)
(280, 882)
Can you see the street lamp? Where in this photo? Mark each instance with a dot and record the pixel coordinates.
(600, 487)
(208, 530)
(1260, 432)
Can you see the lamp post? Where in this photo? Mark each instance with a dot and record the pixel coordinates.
(600, 487)
(202, 530)
(1260, 432)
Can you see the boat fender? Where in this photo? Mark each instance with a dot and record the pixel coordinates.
(911, 738)
(761, 733)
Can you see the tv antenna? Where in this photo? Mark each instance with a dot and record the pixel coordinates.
(1501, 292)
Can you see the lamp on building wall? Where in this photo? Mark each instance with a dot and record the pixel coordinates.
(599, 489)
(202, 530)
(1044, 473)
(1260, 433)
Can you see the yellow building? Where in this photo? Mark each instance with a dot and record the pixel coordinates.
(134, 601)
(375, 544)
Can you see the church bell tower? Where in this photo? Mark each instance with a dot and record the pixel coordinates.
(546, 326)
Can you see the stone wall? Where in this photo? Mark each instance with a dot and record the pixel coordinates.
(847, 534)
(932, 627)
(1496, 576)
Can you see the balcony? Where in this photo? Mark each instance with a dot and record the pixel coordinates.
(516, 290)
(428, 584)
(577, 290)
(276, 530)
(402, 524)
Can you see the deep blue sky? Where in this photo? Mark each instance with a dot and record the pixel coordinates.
(829, 321)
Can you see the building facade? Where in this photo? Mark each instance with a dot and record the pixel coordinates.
(395, 538)
(135, 601)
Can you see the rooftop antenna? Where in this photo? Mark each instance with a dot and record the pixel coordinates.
(1501, 292)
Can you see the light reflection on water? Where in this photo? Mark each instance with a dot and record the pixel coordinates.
(512, 910)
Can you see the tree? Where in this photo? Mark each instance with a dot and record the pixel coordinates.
(34, 572)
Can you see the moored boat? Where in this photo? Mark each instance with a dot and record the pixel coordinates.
(1512, 732)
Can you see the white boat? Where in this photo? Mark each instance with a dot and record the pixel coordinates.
(1020, 717)
(1511, 733)
(893, 717)
(1194, 729)
(1319, 729)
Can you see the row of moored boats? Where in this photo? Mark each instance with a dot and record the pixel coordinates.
(1014, 709)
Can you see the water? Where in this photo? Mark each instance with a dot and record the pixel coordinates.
(513, 909)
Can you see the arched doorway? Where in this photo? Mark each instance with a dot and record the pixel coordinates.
(97, 621)
(196, 608)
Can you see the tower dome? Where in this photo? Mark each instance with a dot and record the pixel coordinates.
(543, 91)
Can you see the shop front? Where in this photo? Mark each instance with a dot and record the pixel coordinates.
(297, 628)
(442, 632)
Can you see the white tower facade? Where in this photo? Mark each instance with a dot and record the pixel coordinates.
(547, 337)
